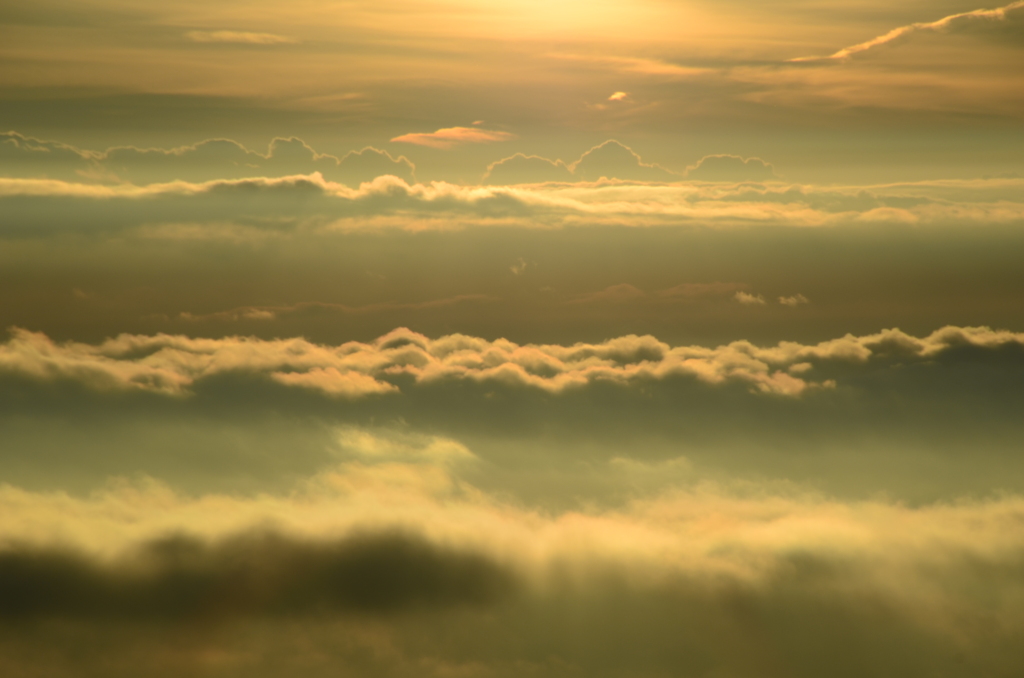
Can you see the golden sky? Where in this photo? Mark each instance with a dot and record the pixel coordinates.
(502, 339)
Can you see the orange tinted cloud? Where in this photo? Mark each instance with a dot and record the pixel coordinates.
(994, 14)
(452, 136)
(241, 37)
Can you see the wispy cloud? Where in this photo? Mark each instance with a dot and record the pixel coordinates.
(274, 312)
(997, 14)
(452, 136)
(794, 300)
(239, 37)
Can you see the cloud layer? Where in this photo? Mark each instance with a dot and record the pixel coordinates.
(172, 365)
(401, 570)
(37, 207)
(207, 160)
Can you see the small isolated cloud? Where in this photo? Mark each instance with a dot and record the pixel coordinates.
(730, 168)
(519, 267)
(997, 14)
(239, 37)
(746, 298)
(794, 300)
(618, 96)
(453, 136)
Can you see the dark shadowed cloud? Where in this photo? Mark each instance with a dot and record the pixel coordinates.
(256, 574)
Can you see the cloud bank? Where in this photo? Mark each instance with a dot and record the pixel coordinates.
(172, 365)
(392, 569)
(208, 160)
(35, 208)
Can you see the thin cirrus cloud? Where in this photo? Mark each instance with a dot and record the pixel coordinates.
(794, 300)
(174, 365)
(997, 14)
(638, 65)
(449, 137)
(238, 38)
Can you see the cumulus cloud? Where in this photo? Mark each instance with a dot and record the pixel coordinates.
(526, 169)
(945, 23)
(173, 365)
(618, 96)
(453, 136)
(207, 160)
(610, 160)
(238, 37)
(22, 155)
(749, 299)
(730, 168)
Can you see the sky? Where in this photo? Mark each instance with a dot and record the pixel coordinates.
(452, 339)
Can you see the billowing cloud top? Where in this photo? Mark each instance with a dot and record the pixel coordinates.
(173, 364)
(207, 160)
